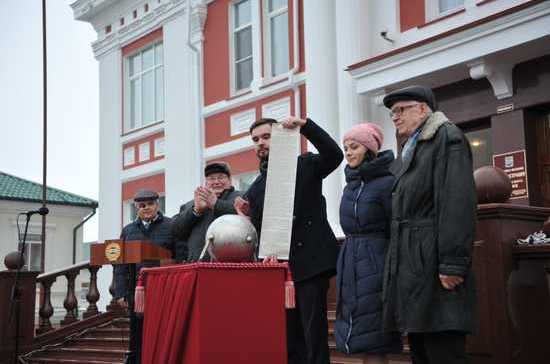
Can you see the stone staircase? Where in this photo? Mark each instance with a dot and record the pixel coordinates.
(105, 344)
(337, 357)
(108, 343)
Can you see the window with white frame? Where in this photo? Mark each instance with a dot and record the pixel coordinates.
(437, 8)
(243, 181)
(129, 156)
(33, 250)
(144, 96)
(159, 147)
(144, 152)
(276, 37)
(241, 34)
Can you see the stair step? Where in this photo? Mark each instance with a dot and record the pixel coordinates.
(109, 332)
(100, 342)
(47, 360)
(99, 354)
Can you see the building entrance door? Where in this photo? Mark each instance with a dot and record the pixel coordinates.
(543, 157)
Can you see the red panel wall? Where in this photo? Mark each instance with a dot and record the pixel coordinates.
(216, 52)
(142, 42)
(136, 143)
(154, 182)
(412, 13)
(218, 127)
(241, 162)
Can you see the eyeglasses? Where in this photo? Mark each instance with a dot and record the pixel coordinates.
(142, 205)
(217, 178)
(399, 110)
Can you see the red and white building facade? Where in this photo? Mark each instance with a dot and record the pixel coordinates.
(182, 80)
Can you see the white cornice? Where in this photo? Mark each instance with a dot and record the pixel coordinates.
(120, 35)
(268, 90)
(141, 134)
(517, 28)
(86, 9)
(142, 171)
(15, 207)
(232, 147)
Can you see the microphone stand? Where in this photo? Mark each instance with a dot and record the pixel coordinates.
(15, 301)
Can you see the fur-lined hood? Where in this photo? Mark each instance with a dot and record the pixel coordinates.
(432, 125)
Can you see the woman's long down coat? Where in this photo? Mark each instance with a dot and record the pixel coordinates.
(365, 213)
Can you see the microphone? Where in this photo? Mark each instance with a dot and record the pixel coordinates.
(41, 211)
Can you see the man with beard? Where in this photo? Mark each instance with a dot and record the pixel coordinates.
(313, 244)
(212, 200)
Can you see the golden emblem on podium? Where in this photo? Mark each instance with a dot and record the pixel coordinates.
(112, 251)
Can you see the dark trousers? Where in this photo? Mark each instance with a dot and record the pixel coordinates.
(446, 347)
(136, 334)
(306, 325)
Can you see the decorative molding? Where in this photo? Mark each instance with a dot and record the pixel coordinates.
(379, 98)
(232, 147)
(234, 102)
(457, 48)
(277, 109)
(199, 11)
(241, 121)
(498, 74)
(133, 28)
(142, 133)
(143, 170)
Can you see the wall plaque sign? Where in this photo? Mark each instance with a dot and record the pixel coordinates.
(515, 166)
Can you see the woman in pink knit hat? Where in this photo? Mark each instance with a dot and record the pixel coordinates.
(365, 213)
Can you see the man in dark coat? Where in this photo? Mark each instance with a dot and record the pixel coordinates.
(313, 244)
(151, 225)
(211, 201)
(429, 287)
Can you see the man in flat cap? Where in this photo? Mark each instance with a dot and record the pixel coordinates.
(151, 225)
(212, 200)
(429, 289)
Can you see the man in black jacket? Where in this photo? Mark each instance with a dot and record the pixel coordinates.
(313, 244)
(210, 201)
(151, 225)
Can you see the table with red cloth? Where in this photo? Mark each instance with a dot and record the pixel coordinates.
(210, 313)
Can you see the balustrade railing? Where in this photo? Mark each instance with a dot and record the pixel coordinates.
(46, 310)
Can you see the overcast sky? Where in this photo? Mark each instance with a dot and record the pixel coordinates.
(73, 126)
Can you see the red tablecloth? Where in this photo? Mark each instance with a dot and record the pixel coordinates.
(213, 313)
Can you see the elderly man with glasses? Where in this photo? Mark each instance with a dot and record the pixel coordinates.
(429, 288)
(151, 225)
(212, 200)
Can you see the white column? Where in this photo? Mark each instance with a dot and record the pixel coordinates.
(182, 116)
(321, 87)
(110, 160)
(351, 47)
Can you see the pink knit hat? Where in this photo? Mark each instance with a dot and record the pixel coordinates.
(367, 134)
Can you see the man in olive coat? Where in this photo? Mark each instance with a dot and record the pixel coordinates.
(429, 287)
(211, 201)
(313, 244)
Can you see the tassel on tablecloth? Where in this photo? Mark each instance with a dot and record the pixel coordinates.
(139, 296)
(290, 294)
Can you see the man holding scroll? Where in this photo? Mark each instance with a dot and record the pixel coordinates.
(313, 251)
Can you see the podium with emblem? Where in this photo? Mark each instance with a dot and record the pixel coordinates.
(129, 252)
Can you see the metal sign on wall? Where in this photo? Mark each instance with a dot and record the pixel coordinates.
(515, 166)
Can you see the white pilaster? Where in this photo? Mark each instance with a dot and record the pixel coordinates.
(321, 86)
(182, 116)
(351, 47)
(110, 159)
